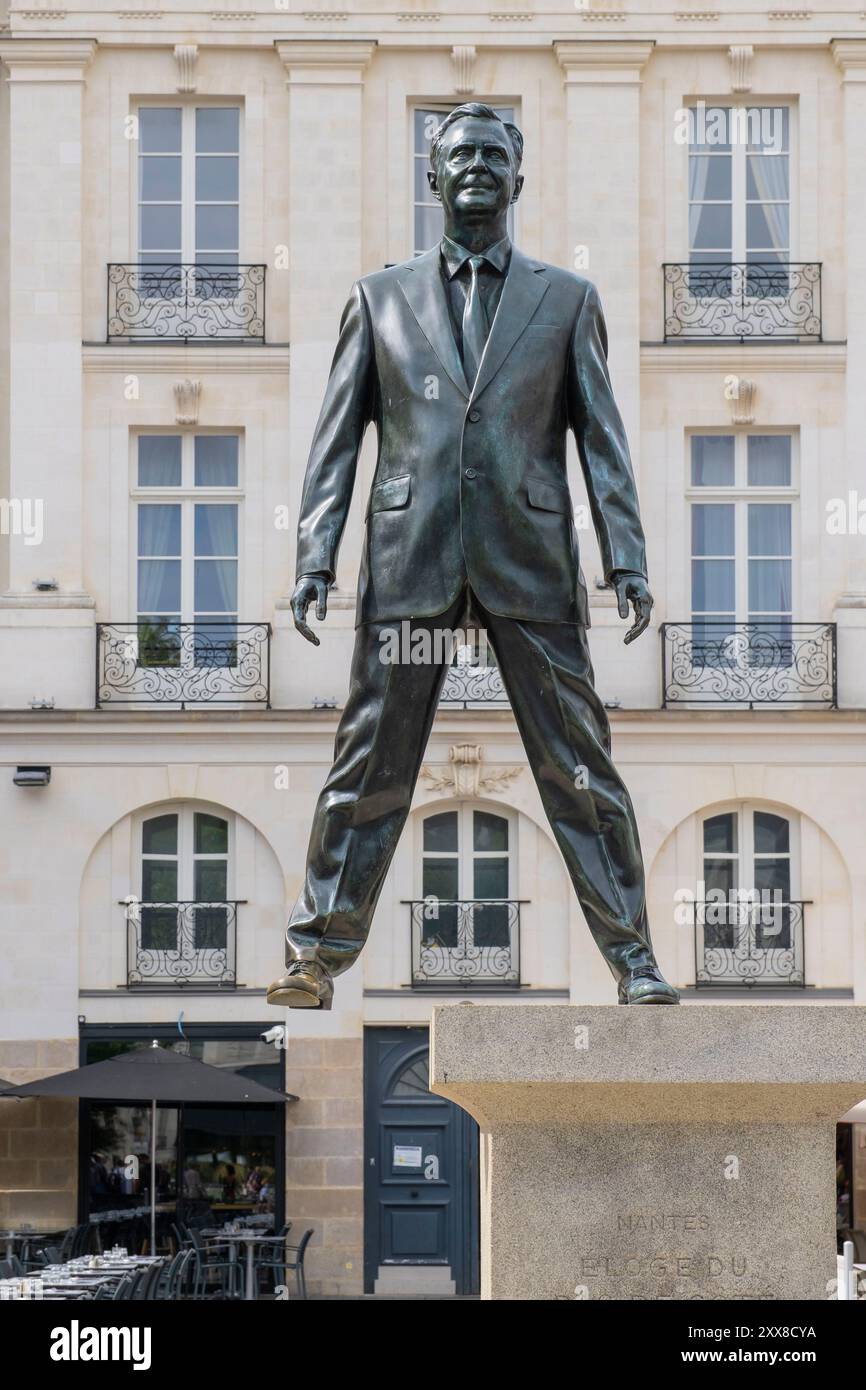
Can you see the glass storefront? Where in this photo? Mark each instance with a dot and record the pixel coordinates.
(213, 1163)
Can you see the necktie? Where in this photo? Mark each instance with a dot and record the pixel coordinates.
(474, 323)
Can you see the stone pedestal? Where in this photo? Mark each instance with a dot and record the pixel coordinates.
(651, 1152)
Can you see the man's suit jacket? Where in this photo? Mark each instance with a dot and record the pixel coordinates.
(471, 483)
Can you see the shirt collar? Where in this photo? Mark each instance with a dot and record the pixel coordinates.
(455, 256)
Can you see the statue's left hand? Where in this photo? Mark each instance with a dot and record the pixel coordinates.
(633, 589)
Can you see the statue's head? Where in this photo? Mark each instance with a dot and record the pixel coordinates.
(475, 158)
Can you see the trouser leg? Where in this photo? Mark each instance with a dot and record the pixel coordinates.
(548, 674)
(363, 806)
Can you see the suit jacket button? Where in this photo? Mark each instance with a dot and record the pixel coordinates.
(475, 416)
(470, 473)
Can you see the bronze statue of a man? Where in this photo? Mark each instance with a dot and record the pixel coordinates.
(469, 520)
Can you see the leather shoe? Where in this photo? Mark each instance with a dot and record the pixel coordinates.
(305, 985)
(646, 985)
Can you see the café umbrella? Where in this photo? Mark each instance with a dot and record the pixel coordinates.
(153, 1074)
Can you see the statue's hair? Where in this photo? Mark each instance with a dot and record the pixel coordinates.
(481, 112)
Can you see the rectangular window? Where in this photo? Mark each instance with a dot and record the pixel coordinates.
(740, 200)
(188, 548)
(742, 564)
(427, 212)
(188, 186)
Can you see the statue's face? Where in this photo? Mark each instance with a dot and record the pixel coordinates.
(476, 171)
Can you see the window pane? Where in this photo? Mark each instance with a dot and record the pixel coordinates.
(216, 586)
(773, 878)
(216, 178)
(709, 128)
(159, 881)
(712, 460)
(217, 129)
(710, 228)
(709, 177)
(767, 226)
(772, 834)
(769, 587)
(440, 832)
(159, 462)
(769, 460)
(216, 228)
(489, 832)
(720, 876)
(768, 128)
(159, 178)
(769, 528)
(159, 586)
(160, 228)
(439, 879)
(210, 925)
(712, 528)
(720, 834)
(216, 529)
(216, 460)
(713, 587)
(429, 225)
(422, 185)
(210, 881)
(490, 925)
(211, 834)
(159, 835)
(767, 177)
(159, 529)
(491, 878)
(159, 129)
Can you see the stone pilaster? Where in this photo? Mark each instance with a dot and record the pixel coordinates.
(602, 92)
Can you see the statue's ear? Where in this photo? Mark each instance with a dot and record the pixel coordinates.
(518, 185)
(434, 187)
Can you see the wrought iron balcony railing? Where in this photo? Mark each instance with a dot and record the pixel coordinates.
(181, 943)
(712, 661)
(173, 300)
(164, 662)
(748, 301)
(467, 685)
(471, 943)
(749, 944)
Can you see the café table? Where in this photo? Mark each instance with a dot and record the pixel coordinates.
(250, 1239)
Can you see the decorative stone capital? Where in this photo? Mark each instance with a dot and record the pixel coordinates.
(47, 60)
(313, 63)
(463, 57)
(741, 56)
(187, 395)
(602, 62)
(186, 57)
(850, 56)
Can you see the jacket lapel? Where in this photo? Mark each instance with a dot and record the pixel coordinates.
(522, 293)
(423, 288)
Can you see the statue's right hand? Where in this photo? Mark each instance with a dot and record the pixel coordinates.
(308, 588)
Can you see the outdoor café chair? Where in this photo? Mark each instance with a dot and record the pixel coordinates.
(229, 1272)
(298, 1263)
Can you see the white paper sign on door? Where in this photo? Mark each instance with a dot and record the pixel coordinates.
(407, 1156)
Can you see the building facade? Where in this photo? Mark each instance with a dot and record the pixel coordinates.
(187, 197)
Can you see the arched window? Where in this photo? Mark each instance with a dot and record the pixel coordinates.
(185, 916)
(750, 919)
(466, 926)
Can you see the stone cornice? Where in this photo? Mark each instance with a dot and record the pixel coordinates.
(313, 61)
(47, 60)
(748, 359)
(186, 361)
(850, 56)
(602, 60)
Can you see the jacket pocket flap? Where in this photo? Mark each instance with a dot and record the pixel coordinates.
(393, 492)
(550, 497)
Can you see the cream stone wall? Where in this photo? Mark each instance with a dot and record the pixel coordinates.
(326, 196)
